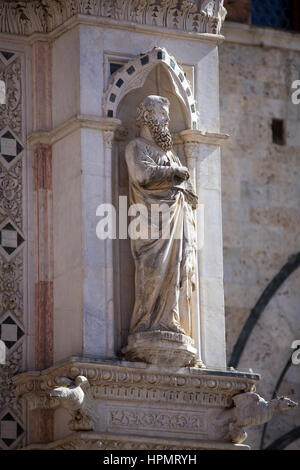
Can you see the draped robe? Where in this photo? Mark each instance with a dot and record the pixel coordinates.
(164, 268)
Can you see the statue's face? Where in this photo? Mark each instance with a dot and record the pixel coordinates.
(161, 113)
(157, 118)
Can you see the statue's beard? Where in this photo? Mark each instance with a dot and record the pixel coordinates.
(161, 135)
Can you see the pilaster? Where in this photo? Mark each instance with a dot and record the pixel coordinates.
(202, 151)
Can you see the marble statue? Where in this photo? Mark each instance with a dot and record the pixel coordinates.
(166, 265)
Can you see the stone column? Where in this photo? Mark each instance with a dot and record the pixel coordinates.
(191, 150)
(43, 256)
(43, 227)
(202, 150)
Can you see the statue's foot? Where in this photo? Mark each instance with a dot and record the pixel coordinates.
(161, 347)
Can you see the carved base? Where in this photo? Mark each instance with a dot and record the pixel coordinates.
(138, 406)
(161, 347)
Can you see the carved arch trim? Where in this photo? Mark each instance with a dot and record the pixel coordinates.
(133, 75)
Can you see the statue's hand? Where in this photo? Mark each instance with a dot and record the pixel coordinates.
(182, 172)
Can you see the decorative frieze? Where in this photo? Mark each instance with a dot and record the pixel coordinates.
(10, 74)
(152, 385)
(157, 420)
(33, 16)
(12, 242)
(142, 394)
(11, 192)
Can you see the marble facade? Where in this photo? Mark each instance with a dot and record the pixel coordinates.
(86, 65)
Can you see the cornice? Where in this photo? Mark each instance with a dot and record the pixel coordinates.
(189, 136)
(71, 125)
(251, 35)
(122, 380)
(33, 16)
(111, 124)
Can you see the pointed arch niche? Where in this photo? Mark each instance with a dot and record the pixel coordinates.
(153, 73)
(133, 75)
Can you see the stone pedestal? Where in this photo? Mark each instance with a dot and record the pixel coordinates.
(161, 348)
(139, 406)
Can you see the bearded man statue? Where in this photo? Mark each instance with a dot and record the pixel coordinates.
(165, 263)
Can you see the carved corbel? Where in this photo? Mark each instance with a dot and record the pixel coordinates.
(75, 397)
(250, 409)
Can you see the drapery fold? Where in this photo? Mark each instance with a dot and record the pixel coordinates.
(164, 267)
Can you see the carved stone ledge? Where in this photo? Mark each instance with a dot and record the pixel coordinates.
(110, 441)
(80, 121)
(186, 406)
(33, 16)
(191, 136)
(140, 382)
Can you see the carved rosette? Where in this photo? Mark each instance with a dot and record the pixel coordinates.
(34, 16)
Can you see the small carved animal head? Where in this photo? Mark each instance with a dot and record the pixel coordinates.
(69, 386)
(60, 392)
(284, 403)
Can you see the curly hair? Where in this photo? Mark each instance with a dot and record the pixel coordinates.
(145, 111)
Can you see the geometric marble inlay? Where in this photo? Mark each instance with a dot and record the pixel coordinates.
(10, 332)
(10, 239)
(10, 148)
(6, 56)
(10, 429)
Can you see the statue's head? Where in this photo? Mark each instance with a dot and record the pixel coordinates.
(153, 112)
(284, 403)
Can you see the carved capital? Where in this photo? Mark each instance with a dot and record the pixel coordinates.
(108, 139)
(191, 150)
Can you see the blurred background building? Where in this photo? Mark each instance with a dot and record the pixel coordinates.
(259, 61)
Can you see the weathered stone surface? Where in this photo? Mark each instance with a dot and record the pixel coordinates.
(260, 203)
(125, 398)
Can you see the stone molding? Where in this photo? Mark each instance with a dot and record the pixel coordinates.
(33, 16)
(261, 37)
(136, 382)
(71, 125)
(190, 136)
(86, 121)
(179, 405)
(111, 441)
